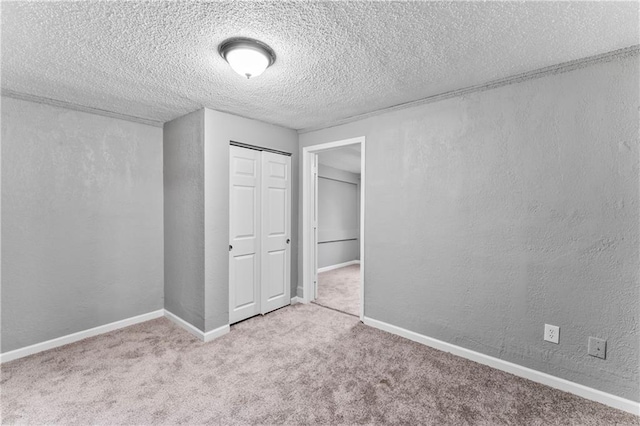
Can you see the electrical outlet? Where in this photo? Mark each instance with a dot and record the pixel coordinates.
(552, 333)
(597, 347)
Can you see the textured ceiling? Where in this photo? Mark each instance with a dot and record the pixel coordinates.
(346, 158)
(158, 60)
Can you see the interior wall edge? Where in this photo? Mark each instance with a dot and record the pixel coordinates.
(201, 335)
(517, 78)
(184, 217)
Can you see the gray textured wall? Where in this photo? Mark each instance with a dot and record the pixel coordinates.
(337, 252)
(184, 218)
(491, 214)
(81, 222)
(338, 216)
(220, 128)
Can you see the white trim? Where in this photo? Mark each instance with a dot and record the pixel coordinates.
(307, 262)
(515, 369)
(334, 144)
(215, 333)
(295, 300)
(205, 337)
(182, 323)
(363, 155)
(74, 337)
(339, 265)
(80, 335)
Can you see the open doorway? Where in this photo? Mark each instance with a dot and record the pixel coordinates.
(338, 245)
(333, 225)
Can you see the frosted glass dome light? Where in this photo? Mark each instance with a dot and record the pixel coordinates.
(246, 56)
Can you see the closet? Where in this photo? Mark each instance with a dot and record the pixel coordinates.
(259, 231)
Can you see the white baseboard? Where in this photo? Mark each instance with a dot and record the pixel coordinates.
(182, 323)
(295, 300)
(71, 338)
(215, 333)
(205, 337)
(339, 265)
(74, 337)
(515, 369)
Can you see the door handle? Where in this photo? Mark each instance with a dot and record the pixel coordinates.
(288, 241)
(230, 247)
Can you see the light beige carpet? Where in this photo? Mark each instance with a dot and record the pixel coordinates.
(302, 364)
(340, 289)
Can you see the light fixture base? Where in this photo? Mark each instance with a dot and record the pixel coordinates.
(244, 43)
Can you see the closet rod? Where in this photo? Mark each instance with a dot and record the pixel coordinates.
(258, 148)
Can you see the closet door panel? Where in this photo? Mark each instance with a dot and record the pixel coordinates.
(245, 271)
(244, 233)
(276, 231)
(277, 278)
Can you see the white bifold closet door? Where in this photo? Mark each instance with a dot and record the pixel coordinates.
(259, 232)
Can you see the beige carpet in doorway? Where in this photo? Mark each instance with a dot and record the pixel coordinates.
(302, 364)
(340, 289)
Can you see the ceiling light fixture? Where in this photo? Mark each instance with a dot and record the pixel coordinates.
(247, 57)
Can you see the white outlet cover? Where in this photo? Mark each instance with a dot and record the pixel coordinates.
(552, 333)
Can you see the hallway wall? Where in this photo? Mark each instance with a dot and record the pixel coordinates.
(338, 216)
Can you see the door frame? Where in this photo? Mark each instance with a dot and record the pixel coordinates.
(307, 206)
